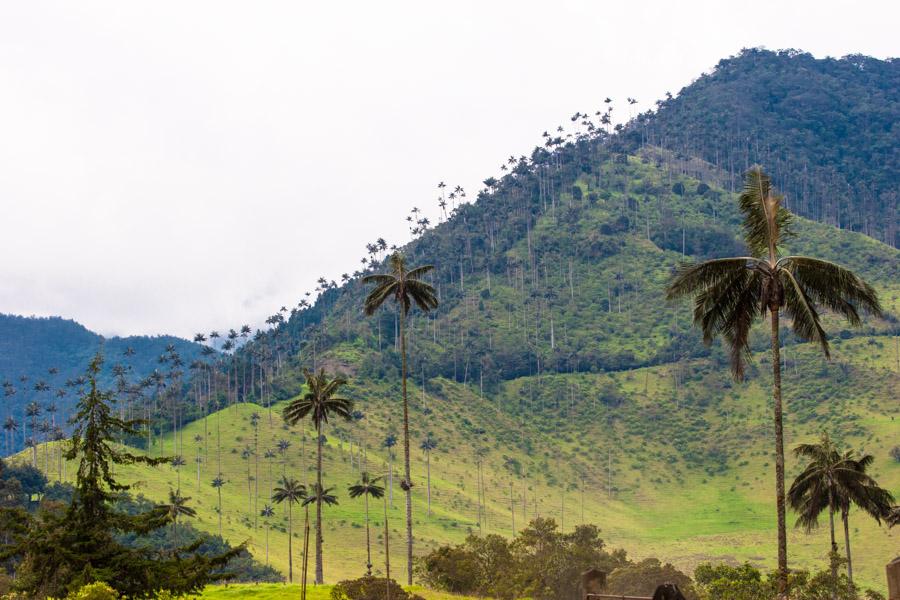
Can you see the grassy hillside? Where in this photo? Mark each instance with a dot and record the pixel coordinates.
(682, 473)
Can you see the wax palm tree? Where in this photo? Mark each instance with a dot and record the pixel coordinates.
(405, 287)
(324, 496)
(390, 441)
(318, 403)
(33, 411)
(367, 486)
(427, 445)
(177, 507)
(177, 462)
(267, 513)
(731, 293)
(269, 455)
(10, 426)
(254, 421)
(217, 483)
(246, 453)
(283, 446)
(198, 459)
(835, 480)
(292, 492)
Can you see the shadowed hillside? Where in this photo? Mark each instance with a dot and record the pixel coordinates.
(30, 347)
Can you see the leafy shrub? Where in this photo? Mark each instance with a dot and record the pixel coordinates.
(94, 591)
(642, 579)
(745, 582)
(370, 588)
(541, 563)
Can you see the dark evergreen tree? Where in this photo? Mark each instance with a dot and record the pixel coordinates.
(62, 551)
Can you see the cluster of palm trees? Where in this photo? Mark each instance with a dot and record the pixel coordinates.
(36, 430)
(835, 480)
(321, 401)
(730, 294)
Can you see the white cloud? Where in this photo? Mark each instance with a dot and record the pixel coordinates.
(172, 166)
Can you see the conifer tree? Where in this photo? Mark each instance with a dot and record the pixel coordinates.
(65, 550)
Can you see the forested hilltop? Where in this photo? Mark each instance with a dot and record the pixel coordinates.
(828, 130)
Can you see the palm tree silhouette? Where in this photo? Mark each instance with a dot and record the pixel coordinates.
(198, 459)
(177, 507)
(367, 486)
(246, 453)
(10, 426)
(217, 483)
(318, 403)
(835, 480)
(177, 462)
(269, 455)
(283, 446)
(267, 513)
(731, 293)
(389, 442)
(405, 287)
(292, 492)
(33, 411)
(427, 445)
(254, 421)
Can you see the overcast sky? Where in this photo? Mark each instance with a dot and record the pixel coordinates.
(169, 167)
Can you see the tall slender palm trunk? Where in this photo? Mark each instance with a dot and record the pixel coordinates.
(387, 550)
(428, 475)
(833, 553)
(845, 517)
(368, 539)
(219, 490)
(320, 576)
(779, 455)
(290, 547)
(305, 554)
(408, 478)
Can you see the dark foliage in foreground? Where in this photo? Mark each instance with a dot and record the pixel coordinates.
(370, 588)
(62, 548)
(541, 562)
(745, 582)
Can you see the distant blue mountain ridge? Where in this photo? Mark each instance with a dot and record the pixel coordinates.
(30, 347)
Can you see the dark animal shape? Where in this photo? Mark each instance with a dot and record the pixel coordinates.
(668, 591)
